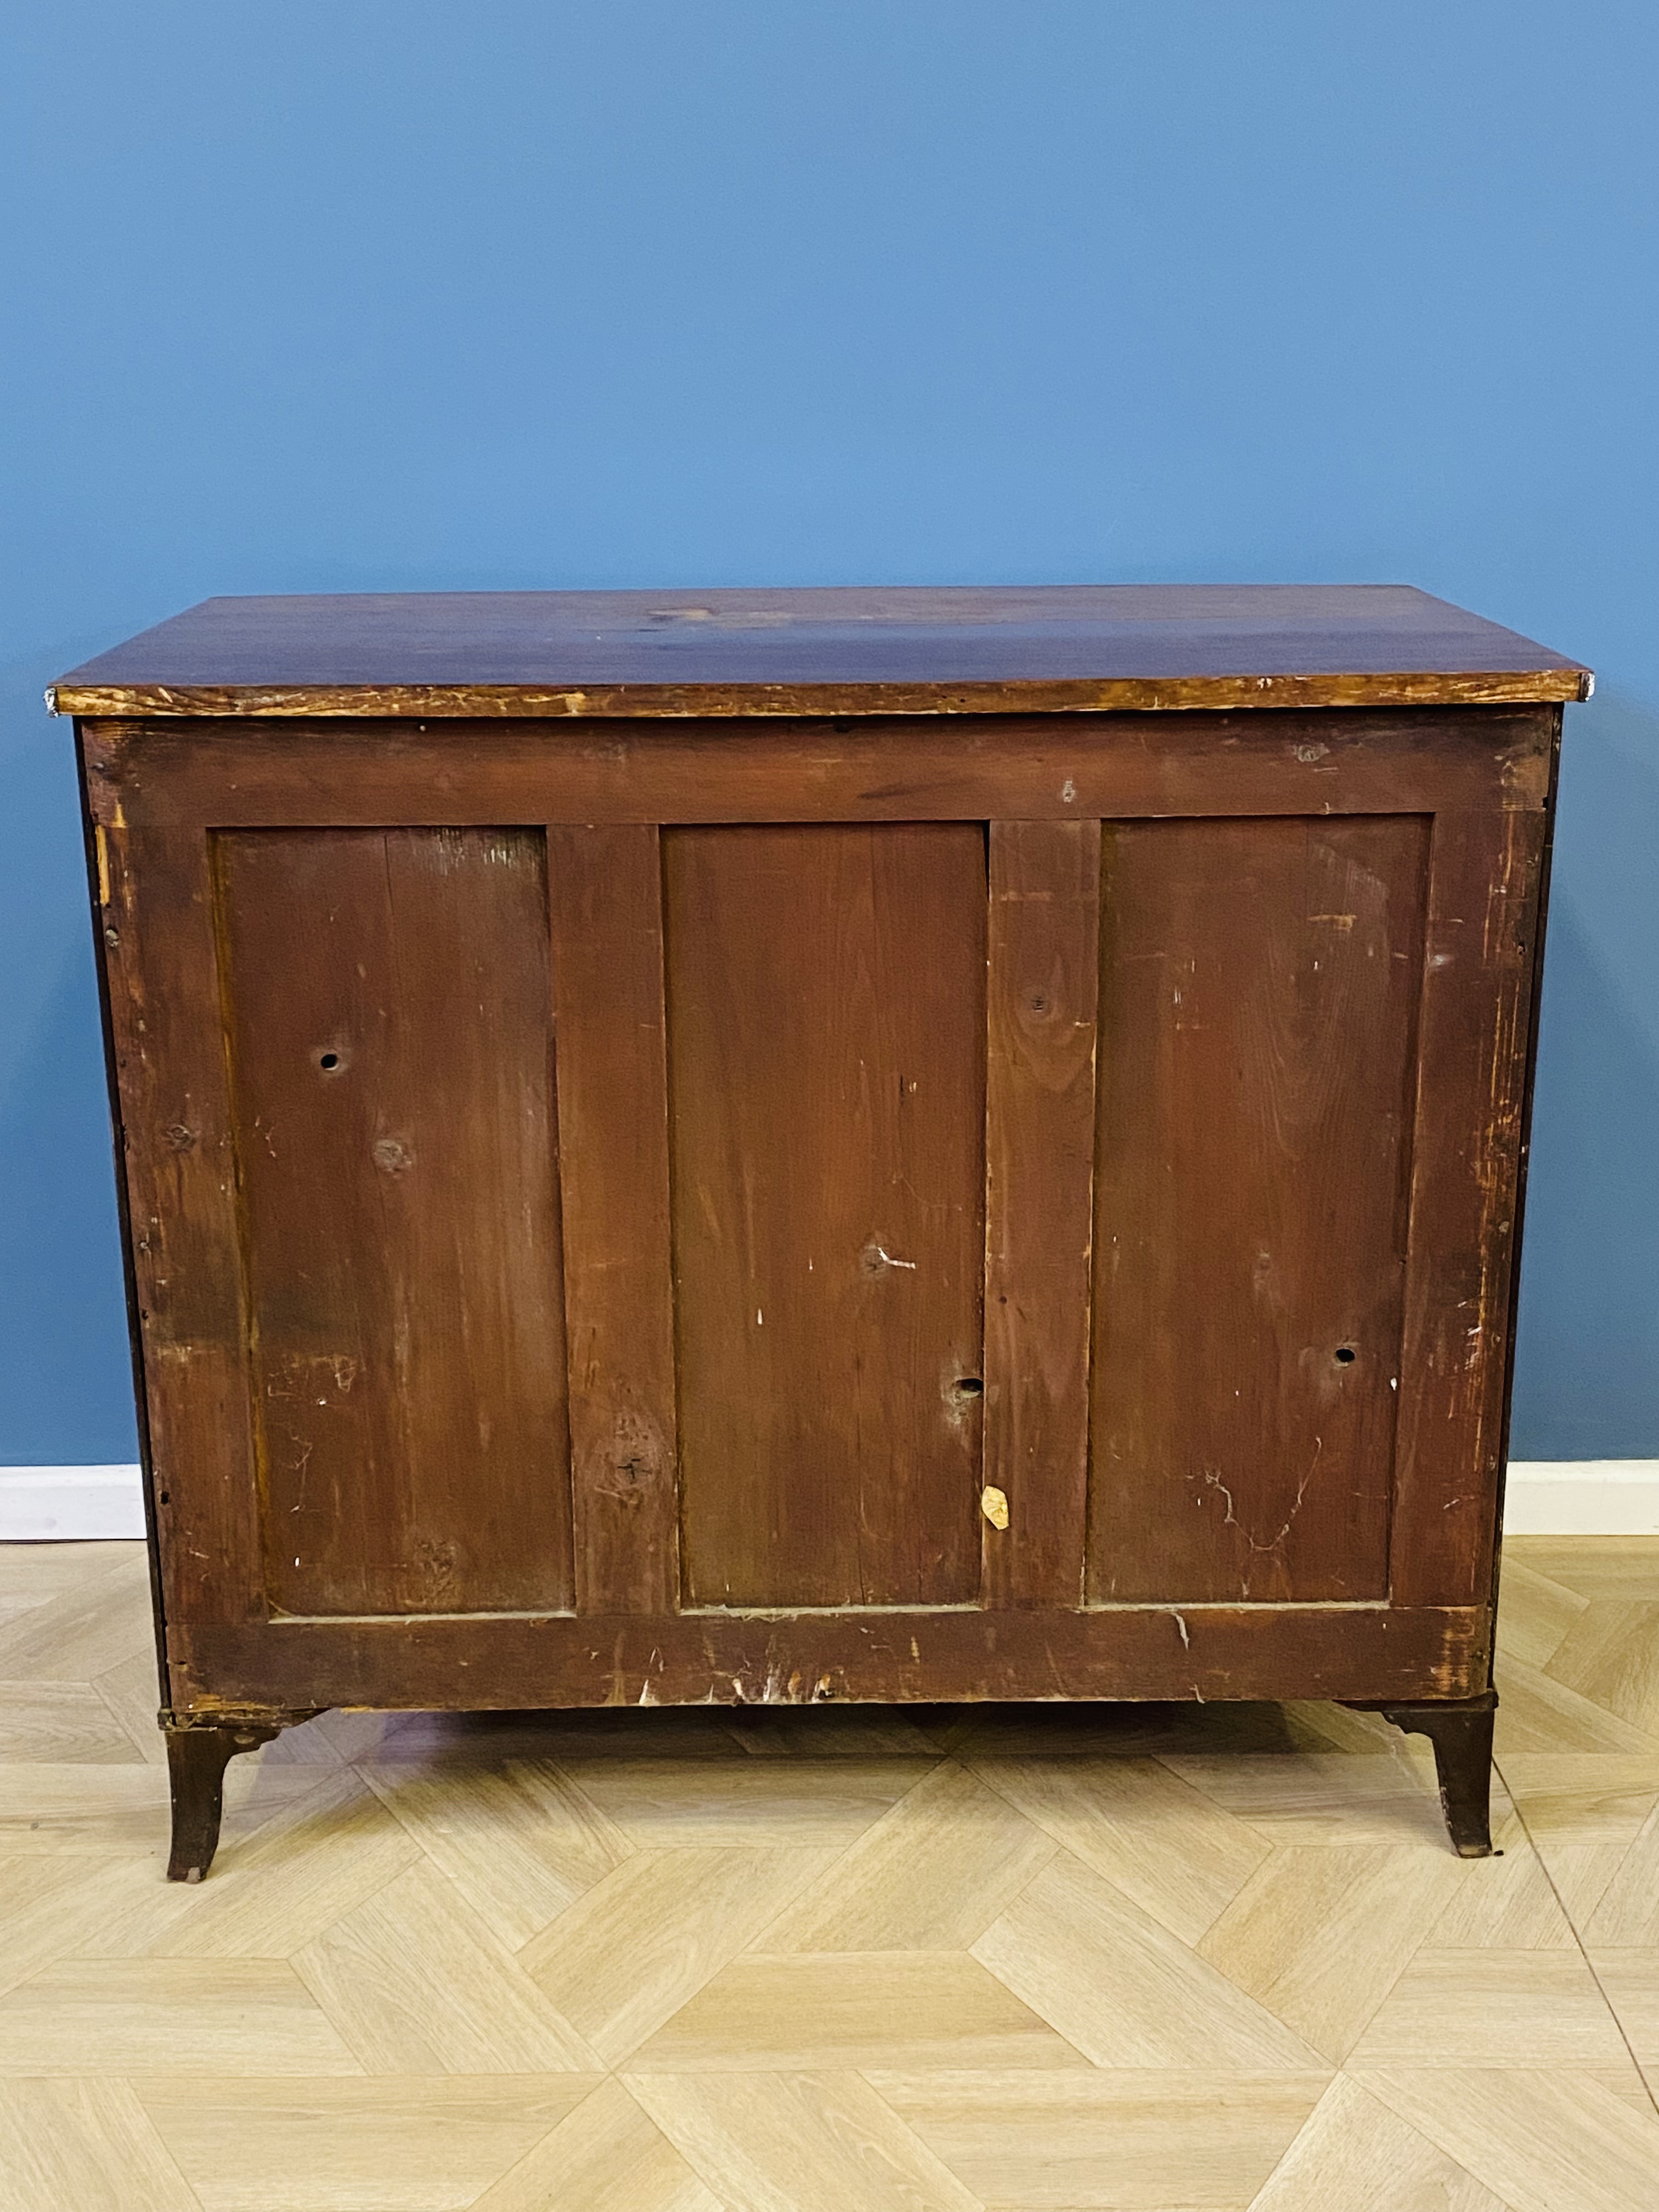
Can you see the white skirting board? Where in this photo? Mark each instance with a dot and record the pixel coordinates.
(1582, 1498)
(59, 1504)
(1544, 1497)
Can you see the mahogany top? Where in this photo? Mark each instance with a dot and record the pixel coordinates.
(955, 649)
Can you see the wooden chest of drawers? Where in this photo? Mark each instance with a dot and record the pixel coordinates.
(780, 1145)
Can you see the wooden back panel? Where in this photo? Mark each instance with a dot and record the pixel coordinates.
(1259, 991)
(627, 1022)
(388, 1015)
(826, 1029)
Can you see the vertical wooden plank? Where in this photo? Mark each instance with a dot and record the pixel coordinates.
(1471, 1103)
(1536, 934)
(1043, 974)
(826, 990)
(100, 893)
(1259, 989)
(605, 894)
(166, 1020)
(392, 1058)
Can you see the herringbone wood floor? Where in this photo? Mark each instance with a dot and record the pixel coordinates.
(1034, 1960)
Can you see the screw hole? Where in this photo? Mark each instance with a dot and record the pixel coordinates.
(328, 1061)
(969, 1386)
(166, 1498)
(1346, 1355)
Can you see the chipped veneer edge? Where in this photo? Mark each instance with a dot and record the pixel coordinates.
(1131, 694)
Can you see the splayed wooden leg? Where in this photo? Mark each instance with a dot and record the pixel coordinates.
(1460, 1731)
(197, 1755)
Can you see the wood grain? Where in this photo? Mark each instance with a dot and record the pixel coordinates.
(909, 650)
(852, 2008)
(1472, 1087)
(605, 896)
(606, 2157)
(1491, 2007)
(826, 1004)
(1320, 1933)
(86, 2144)
(1043, 975)
(1178, 1854)
(930, 1875)
(1355, 2156)
(976, 768)
(1259, 987)
(1123, 1988)
(1198, 1041)
(815, 2142)
(168, 2016)
(391, 1045)
(1306, 1841)
(1118, 2141)
(416, 1983)
(157, 938)
(532, 1844)
(409, 2143)
(1538, 2138)
(642, 1942)
(727, 1657)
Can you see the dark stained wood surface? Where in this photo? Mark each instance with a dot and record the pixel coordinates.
(1529, 939)
(741, 1658)
(97, 849)
(826, 1023)
(1462, 1737)
(845, 652)
(1472, 1091)
(604, 890)
(1043, 972)
(708, 923)
(156, 937)
(1258, 999)
(391, 1053)
(982, 768)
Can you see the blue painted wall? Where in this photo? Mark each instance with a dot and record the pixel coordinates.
(389, 294)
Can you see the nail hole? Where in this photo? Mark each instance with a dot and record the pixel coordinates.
(328, 1061)
(1346, 1355)
(969, 1386)
(166, 1498)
